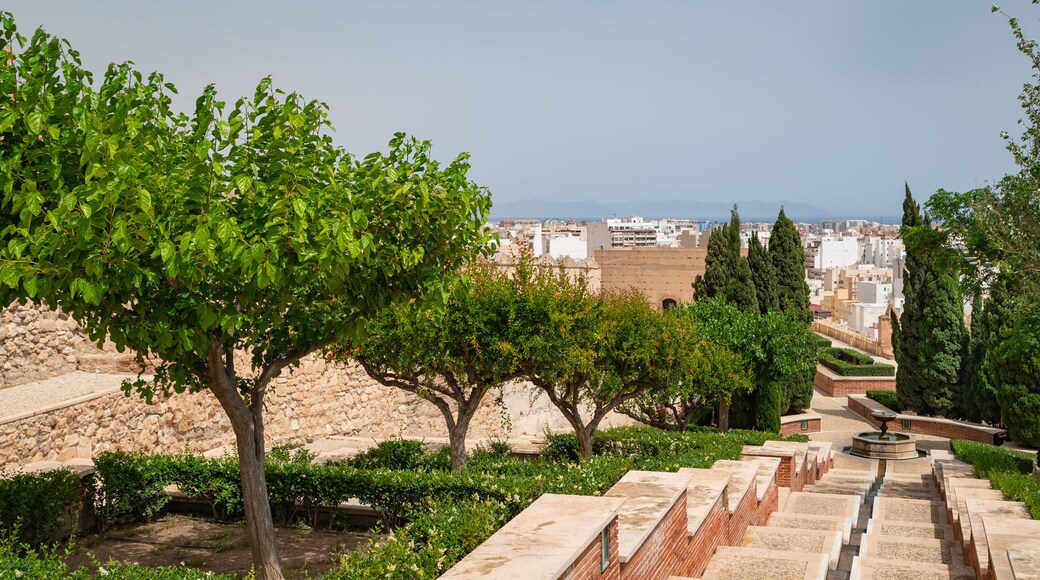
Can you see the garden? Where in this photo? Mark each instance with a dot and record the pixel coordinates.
(850, 363)
(429, 516)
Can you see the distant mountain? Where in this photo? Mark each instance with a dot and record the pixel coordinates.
(755, 210)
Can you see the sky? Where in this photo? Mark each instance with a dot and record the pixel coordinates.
(830, 103)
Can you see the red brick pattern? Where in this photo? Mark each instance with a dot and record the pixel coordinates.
(587, 566)
(663, 550)
(741, 518)
(701, 545)
(795, 427)
(933, 426)
(838, 386)
(769, 504)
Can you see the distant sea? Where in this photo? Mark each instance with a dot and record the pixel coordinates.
(754, 210)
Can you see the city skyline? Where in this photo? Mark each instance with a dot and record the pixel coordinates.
(832, 106)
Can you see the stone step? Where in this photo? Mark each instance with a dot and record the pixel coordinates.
(844, 462)
(911, 549)
(823, 504)
(908, 494)
(911, 530)
(837, 488)
(1014, 547)
(811, 541)
(846, 476)
(920, 466)
(957, 511)
(978, 510)
(909, 510)
(736, 563)
(841, 524)
(882, 569)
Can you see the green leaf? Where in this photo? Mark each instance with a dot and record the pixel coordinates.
(34, 121)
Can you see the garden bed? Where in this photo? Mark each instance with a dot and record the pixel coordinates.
(850, 363)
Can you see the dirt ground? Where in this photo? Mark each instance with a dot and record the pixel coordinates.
(221, 548)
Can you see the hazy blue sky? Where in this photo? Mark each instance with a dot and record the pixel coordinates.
(832, 103)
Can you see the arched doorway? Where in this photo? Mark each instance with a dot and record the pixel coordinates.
(668, 303)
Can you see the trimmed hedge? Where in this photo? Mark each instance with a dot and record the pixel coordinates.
(886, 398)
(1008, 471)
(849, 363)
(39, 508)
(822, 342)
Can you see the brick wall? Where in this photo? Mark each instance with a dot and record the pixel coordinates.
(662, 552)
(794, 426)
(588, 564)
(769, 504)
(838, 386)
(934, 426)
(741, 517)
(701, 545)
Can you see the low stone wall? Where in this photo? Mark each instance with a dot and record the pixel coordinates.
(860, 341)
(917, 425)
(837, 385)
(801, 423)
(313, 401)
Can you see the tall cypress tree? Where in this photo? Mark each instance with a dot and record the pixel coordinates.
(740, 286)
(932, 334)
(762, 273)
(787, 257)
(716, 267)
(906, 334)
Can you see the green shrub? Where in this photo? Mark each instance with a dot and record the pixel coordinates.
(850, 363)
(36, 508)
(129, 487)
(391, 454)
(20, 561)
(822, 342)
(886, 398)
(1008, 471)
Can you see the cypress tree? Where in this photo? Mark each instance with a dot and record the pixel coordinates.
(740, 285)
(762, 273)
(980, 396)
(931, 334)
(716, 267)
(787, 257)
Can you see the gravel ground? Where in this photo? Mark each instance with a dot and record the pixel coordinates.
(787, 541)
(37, 395)
(739, 568)
(914, 553)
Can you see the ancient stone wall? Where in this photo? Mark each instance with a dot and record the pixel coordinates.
(37, 343)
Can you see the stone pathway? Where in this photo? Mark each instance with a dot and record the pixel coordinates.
(46, 394)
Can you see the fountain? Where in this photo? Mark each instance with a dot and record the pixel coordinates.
(882, 444)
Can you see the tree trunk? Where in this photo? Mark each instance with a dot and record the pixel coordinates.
(248, 423)
(262, 543)
(585, 442)
(457, 440)
(723, 416)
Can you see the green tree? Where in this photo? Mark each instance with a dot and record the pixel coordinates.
(740, 284)
(932, 334)
(596, 353)
(450, 359)
(981, 402)
(700, 373)
(762, 272)
(190, 239)
(787, 256)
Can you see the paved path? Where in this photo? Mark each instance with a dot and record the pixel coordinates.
(839, 344)
(838, 424)
(45, 394)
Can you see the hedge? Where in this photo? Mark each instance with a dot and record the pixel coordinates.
(822, 342)
(39, 508)
(849, 363)
(886, 398)
(1008, 471)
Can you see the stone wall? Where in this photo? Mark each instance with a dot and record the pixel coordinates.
(37, 343)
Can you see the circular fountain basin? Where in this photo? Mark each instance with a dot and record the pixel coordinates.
(876, 445)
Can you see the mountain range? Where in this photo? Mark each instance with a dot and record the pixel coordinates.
(753, 210)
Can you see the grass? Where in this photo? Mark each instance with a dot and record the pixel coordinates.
(1009, 471)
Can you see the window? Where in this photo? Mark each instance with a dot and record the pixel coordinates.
(667, 303)
(604, 549)
(906, 424)
(804, 424)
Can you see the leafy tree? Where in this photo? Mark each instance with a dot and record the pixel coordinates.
(701, 373)
(596, 352)
(932, 334)
(189, 239)
(787, 256)
(762, 273)
(981, 402)
(779, 353)
(740, 285)
(451, 359)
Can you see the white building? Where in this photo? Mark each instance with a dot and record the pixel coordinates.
(572, 246)
(837, 252)
(874, 292)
